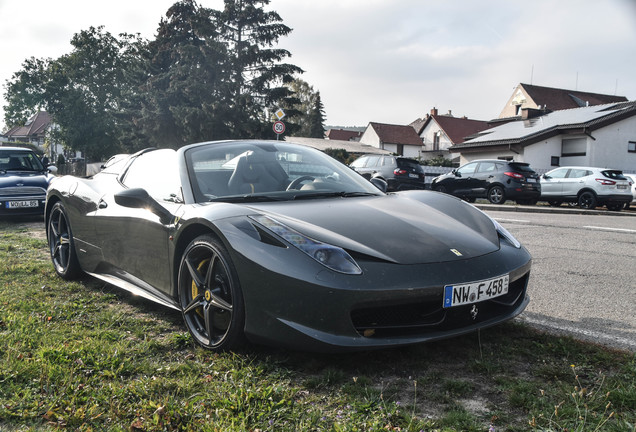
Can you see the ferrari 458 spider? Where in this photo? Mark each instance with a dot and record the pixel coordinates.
(279, 243)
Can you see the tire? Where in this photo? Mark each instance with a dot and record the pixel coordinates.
(554, 203)
(61, 244)
(210, 296)
(587, 200)
(496, 195)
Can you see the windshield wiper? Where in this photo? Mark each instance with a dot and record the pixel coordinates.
(342, 194)
(247, 198)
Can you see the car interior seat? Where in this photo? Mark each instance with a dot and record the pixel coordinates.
(257, 172)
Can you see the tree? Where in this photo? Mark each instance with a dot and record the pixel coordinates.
(257, 74)
(304, 110)
(81, 91)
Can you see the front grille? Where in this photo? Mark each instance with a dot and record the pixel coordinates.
(15, 191)
(420, 318)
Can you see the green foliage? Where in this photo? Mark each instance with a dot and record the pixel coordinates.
(437, 161)
(340, 155)
(305, 111)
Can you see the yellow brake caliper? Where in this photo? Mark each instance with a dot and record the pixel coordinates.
(195, 289)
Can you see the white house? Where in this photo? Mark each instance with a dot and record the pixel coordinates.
(601, 136)
(398, 139)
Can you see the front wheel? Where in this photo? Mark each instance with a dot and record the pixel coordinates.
(587, 200)
(210, 296)
(496, 195)
(61, 245)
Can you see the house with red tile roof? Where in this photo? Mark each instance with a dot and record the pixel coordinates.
(398, 139)
(440, 132)
(552, 99)
(33, 132)
(344, 135)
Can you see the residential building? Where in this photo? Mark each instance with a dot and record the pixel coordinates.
(398, 139)
(440, 132)
(33, 132)
(552, 99)
(344, 134)
(600, 135)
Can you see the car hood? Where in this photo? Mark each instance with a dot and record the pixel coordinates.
(24, 178)
(409, 227)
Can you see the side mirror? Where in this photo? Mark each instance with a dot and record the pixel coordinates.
(545, 176)
(379, 183)
(457, 173)
(139, 198)
(52, 169)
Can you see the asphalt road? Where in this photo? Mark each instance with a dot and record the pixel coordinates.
(583, 279)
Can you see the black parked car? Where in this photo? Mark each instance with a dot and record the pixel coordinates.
(496, 180)
(399, 173)
(23, 182)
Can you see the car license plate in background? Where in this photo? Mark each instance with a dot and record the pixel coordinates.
(414, 176)
(621, 186)
(473, 292)
(531, 180)
(21, 204)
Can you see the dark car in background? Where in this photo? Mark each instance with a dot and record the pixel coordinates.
(398, 172)
(23, 182)
(496, 180)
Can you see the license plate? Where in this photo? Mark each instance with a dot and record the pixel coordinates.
(473, 292)
(21, 204)
(531, 180)
(621, 186)
(414, 176)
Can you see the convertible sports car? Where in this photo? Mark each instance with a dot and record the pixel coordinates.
(279, 243)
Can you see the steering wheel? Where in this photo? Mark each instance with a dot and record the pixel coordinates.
(296, 182)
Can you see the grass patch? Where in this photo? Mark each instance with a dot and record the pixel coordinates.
(86, 356)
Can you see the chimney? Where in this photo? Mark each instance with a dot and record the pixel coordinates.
(434, 111)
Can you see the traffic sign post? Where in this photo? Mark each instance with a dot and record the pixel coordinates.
(279, 128)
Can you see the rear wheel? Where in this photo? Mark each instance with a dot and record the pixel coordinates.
(210, 295)
(496, 195)
(61, 245)
(587, 200)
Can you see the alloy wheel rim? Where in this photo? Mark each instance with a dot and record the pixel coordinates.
(206, 295)
(59, 241)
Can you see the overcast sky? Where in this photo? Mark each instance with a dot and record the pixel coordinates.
(388, 61)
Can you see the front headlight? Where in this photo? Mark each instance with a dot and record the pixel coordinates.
(505, 234)
(330, 256)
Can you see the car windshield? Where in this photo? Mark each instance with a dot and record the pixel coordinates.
(19, 160)
(265, 171)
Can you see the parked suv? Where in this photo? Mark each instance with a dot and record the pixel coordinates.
(496, 180)
(586, 186)
(399, 172)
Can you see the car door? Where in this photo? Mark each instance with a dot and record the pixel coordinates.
(552, 183)
(134, 241)
(574, 182)
(462, 183)
(484, 175)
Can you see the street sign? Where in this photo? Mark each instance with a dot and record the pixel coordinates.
(279, 114)
(279, 127)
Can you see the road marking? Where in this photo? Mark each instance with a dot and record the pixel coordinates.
(621, 230)
(511, 220)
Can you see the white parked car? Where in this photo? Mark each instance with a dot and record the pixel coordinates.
(632, 180)
(587, 186)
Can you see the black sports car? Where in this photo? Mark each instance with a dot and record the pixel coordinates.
(280, 243)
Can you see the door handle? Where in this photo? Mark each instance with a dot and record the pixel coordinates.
(102, 204)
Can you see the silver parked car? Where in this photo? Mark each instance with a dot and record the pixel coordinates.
(586, 186)
(632, 180)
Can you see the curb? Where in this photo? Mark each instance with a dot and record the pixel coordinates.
(554, 210)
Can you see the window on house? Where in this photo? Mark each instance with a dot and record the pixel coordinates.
(555, 161)
(631, 146)
(573, 147)
(436, 141)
